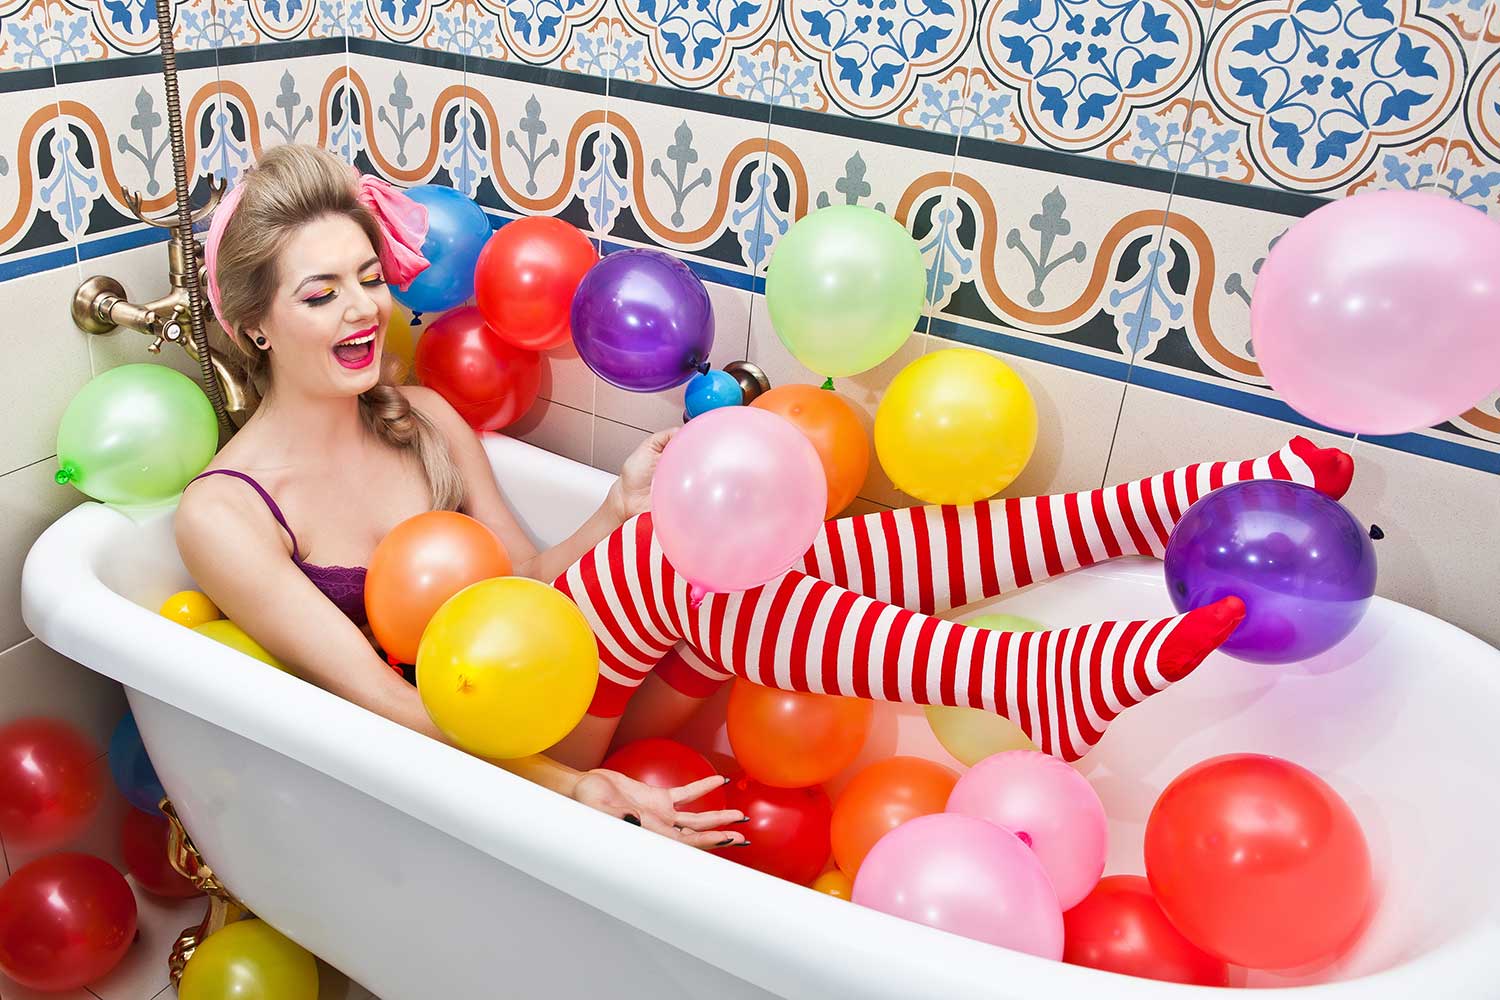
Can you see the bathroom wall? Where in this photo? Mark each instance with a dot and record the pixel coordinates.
(1094, 184)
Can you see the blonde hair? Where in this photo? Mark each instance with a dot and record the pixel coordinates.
(290, 186)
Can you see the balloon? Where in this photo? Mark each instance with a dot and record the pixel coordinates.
(642, 320)
(792, 740)
(229, 634)
(964, 876)
(249, 960)
(490, 383)
(136, 434)
(883, 796)
(421, 563)
(955, 426)
(711, 390)
(667, 764)
(401, 342)
(835, 883)
(457, 229)
(49, 788)
(65, 921)
(788, 829)
(845, 287)
(1120, 928)
(526, 277)
(1050, 806)
(143, 846)
(972, 734)
(745, 470)
(836, 434)
(190, 608)
(134, 775)
(1258, 862)
(1372, 313)
(1301, 563)
(507, 667)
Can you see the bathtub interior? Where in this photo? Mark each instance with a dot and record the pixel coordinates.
(1397, 718)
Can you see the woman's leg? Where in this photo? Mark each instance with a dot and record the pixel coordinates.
(800, 633)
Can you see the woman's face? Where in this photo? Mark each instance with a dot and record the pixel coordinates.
(326, 325)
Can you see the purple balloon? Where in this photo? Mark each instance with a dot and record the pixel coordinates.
(642, 320)
(1302, 564)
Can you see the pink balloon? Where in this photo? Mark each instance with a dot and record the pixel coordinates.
(964, 875)
(1376, 313)
(738, 498)
(1046, 804)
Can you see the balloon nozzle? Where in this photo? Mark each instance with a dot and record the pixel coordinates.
(702, 368)
(416, 318)
(827, 383)
(696, 594)
(67, 474)
(1375, 533)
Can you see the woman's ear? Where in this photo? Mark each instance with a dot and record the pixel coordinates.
(258, 339)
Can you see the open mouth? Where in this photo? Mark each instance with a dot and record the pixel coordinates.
(357, 351)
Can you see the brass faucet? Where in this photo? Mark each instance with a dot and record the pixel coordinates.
(100, 306)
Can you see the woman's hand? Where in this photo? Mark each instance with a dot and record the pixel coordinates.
(632, 494)
(656, 808)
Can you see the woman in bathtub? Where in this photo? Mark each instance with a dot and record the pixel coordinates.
(300, 257)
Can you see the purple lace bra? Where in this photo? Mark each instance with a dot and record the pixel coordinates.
(343, 585)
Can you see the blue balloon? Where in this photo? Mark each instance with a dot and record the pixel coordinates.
(711, 390)
(132, 769)
(457, 229)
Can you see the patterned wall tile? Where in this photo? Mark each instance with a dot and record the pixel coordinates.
(575, 35)
(39, 210)
(89, 30)
(693, 45)
(27, 39)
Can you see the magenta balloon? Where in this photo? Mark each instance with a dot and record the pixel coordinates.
(738, 498)
(1376, 313)
(1049, 806)
(966, 876)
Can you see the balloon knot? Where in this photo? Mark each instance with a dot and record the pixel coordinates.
(67, 474)
(1375, 533)
(416, 319)
(827, 383)
(702, 368)
(696, 594)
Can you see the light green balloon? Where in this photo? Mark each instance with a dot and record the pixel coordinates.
(845, 287)
(136, 435)
(1005, 623)
(972, 734)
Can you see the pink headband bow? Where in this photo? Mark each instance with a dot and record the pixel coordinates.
(402, 221)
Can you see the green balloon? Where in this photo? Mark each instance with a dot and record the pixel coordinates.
(136, 435)
(1005, 623)
(845, 287)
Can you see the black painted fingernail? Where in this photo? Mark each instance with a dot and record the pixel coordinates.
(632, 819)
(725, 842)
(743, 843)
(743, 819)
(727, 779)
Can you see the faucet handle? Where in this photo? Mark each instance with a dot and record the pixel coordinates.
(168, 220)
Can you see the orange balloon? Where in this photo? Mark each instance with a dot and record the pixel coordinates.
(835, 431)
(881, 798)
(791, 740)
(424, 561)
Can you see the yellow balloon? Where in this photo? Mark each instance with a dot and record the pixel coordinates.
(249, 960)
(955, 426)
(836, 884)
(234, 637)
(401, 340)
(190, 608)
(972, 734)
(507, 667)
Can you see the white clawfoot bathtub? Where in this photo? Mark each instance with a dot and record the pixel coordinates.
(429, 875)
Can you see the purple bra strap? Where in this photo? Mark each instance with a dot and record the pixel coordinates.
(275, 510)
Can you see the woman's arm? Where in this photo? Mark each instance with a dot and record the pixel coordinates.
(630, 495)
(239, 557)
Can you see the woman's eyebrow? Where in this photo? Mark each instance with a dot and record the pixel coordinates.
(331, 277)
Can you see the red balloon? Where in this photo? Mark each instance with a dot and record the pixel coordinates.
(1258, 862)
(65, 921)
(143, 843)
(489, 382)
(1119, 927)
(525, 280)
(667, 764)
(50, 786)
(788, 829)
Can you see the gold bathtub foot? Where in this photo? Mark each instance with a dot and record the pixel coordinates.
(223, 908)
